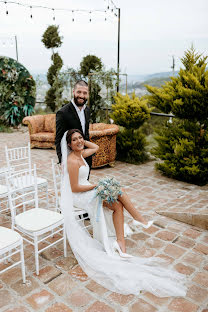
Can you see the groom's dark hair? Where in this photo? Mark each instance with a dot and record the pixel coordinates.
(81, 83)
(69, 135)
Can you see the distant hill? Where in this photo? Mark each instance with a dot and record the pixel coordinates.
(142, 78)
(155, 82)
(162, 75)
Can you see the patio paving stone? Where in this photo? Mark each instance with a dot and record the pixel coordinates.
(62, 286)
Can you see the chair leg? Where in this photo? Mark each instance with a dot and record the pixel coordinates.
(9, 259)
(22, 263)
(36, 255)
(47, 204)
(64, 234)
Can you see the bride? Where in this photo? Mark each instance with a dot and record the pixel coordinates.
(102, 257)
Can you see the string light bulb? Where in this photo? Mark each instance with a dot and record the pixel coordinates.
(31, 12)
(53, 15)
(7, 12)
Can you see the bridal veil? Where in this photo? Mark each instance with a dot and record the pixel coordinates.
(109, 270)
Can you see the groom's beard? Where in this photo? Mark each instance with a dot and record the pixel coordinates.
(79, 104)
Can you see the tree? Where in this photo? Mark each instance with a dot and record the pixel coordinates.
(90, 64)
(91, 68)
(130, 114)
(183, 145)
(52, 40)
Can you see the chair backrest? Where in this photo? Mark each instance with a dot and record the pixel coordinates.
(22, 191)
(18, 158)
(56, 169)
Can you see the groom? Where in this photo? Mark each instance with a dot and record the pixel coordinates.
(74, 115)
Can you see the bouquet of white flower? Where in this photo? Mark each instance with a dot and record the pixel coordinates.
(107, 189)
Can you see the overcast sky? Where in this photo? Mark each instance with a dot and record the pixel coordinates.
(151, 32)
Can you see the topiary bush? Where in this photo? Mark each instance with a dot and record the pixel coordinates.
(52, 40)
(183, 145)
(130, 113)
(17, 92)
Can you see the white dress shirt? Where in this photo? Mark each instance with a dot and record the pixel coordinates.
(81, 115)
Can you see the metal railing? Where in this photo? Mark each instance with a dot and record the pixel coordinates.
(109, 110)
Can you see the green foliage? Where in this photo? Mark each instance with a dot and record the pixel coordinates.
(130, 145)
(183, 144)
(92, 68)
(101, 86)
(51, 39)
(17, 92)
(130, 113)
(186, 95)
(90, 64)
(54, 68)
(4, 127)
(96, 102)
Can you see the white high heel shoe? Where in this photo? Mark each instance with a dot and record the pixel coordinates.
(146, 226)
(122, 254)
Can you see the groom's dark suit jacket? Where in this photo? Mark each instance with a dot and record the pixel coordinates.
(66, 119)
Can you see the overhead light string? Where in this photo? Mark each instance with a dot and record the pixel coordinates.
(31, 16)
(32, 6)
(54, 18)
(7, 12)
(105, 16)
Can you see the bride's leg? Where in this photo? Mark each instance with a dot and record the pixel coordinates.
(118, 221)
(128, 205)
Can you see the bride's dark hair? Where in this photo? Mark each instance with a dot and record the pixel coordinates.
(69, 135)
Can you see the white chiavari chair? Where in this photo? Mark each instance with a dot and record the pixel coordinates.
(19, 158)
(36, 224)
(11, 243)
(56, 169)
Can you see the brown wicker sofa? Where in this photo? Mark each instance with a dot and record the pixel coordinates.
(42, 130)
(104, 135)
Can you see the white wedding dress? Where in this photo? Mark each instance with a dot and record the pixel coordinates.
(103, 230)
(95, 255)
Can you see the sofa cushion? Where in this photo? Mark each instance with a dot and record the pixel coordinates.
(43, 137)
(50, 122)
(38, 123)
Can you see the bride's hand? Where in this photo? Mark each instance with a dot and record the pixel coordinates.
(93, 186)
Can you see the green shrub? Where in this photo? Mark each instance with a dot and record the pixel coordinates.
(130, 113)
(183, 144)
(17, 92)
(131, 145)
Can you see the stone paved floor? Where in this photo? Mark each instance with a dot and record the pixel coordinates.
(62, 286)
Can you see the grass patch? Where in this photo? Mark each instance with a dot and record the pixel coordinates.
(5, 128)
